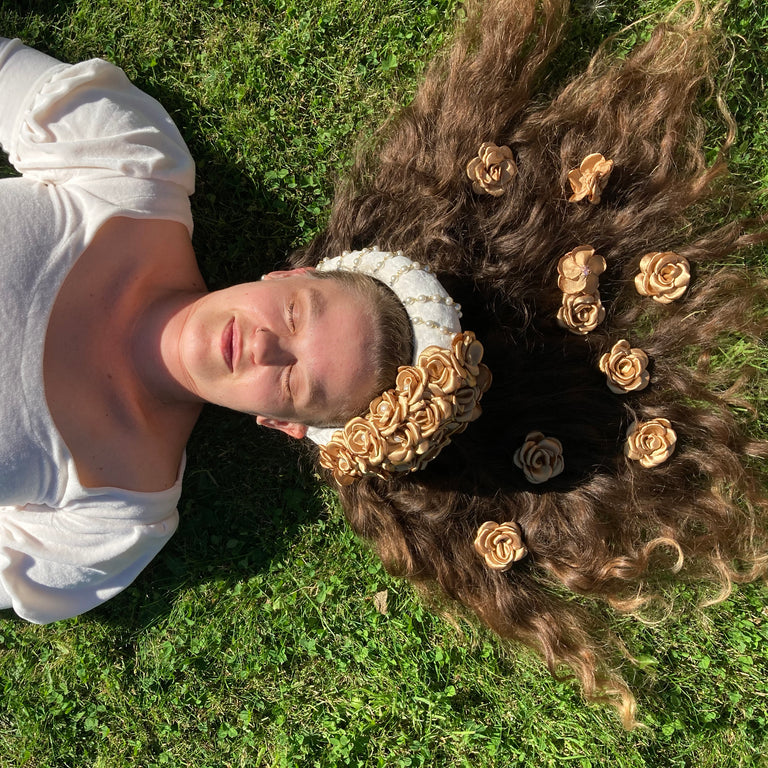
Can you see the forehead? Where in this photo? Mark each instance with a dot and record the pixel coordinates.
(340, 356)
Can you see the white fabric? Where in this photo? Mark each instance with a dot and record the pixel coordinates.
(89, 146)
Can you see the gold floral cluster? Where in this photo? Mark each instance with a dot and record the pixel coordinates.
(578, 272)
(407, 426)
(500, 545)
(664, 275)
(492, 170)
(650, 442)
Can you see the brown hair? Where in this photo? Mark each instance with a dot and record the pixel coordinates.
(605, 527)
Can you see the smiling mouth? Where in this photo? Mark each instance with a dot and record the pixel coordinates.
(228, 344)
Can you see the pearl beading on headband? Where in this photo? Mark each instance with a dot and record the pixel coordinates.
(393, 266)
(447, 300)
(435, 316)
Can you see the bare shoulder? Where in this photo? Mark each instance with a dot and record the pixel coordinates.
(158, 247)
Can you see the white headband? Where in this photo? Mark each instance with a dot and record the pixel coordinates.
(433, 313)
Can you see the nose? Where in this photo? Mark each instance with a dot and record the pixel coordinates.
(268, 348)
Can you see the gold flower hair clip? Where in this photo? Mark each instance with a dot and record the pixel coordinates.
(625, 368)
(540, 458)
(500, 545)
(492, 170)
(650, 442)
(590, 178)
(579, 270)
(664, 276)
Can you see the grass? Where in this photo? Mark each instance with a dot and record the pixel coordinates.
(254, 639)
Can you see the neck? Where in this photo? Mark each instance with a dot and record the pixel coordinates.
(154, 349)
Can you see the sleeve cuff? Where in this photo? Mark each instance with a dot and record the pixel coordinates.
(21, 68)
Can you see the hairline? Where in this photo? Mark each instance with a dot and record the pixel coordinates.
(337, 419)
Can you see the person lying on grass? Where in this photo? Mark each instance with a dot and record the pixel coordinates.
(574, 235)
(111, 343)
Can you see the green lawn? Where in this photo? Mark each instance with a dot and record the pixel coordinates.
(254, 639)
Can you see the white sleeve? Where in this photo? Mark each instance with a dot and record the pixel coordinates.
(86, 125)
(55, 564)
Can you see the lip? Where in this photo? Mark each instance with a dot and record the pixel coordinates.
(227, 344)
(236, 344)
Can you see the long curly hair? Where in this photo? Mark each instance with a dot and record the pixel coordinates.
(606, 527)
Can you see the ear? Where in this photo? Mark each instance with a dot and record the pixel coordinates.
(281, 273)
(292, 428)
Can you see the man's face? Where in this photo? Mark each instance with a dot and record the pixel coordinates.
(291, 349)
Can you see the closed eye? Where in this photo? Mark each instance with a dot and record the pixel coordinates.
(286, 382)
(291, 324)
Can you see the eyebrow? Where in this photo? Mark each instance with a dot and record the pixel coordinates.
(317, 306)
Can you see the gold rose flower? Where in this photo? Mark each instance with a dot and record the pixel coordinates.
(468, 351)
(404, 445)
(410, 383)
(363, 439)
(540, 458)
(340, 461)
(590, 178)
(664, 275)
(578, 270)
(443, 376)
(500, 545)
(430, 418)
(625, 368)
(650, 442)
(581, 312)
(387, 412)
(492, 170)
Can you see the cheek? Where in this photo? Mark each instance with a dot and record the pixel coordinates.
(193, 350)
